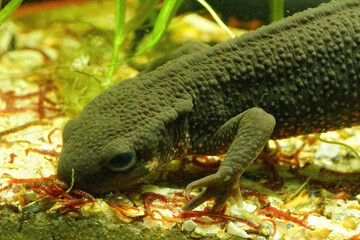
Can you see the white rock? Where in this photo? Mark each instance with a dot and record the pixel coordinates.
(327, 150)
(188, 225)
(206, 230)
(319, 222)
(337, 231)
(234, 230)
(149, 223)
(24, 58)
(238, 212)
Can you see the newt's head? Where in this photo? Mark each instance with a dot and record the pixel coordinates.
(122, 135)
(114, 142)
(101, 160)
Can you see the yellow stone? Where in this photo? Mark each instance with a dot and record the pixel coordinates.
(350, 222)
(321, 233)
(336, 236)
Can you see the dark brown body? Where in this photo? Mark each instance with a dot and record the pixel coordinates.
(303, 72)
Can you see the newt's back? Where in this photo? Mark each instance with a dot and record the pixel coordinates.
(305, 71)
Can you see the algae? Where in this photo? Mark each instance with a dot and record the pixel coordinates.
(38, 226)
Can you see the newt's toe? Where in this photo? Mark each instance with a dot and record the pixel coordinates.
(216, 187)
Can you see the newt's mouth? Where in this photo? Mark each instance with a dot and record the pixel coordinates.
(102, 180)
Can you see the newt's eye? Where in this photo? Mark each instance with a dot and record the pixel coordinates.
(122, 161)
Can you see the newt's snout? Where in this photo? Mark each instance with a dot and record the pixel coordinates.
(96, 163)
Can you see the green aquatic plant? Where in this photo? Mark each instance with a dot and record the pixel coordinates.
(216, 18)
(340, 144)
(9, 9)
(277, 10)
(122, 29)
(72, 181)
(119, 37)
(165, 15)
(80, 71)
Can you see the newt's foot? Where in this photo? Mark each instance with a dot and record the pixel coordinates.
(219, 187)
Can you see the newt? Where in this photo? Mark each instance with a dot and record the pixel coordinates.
(300, 75)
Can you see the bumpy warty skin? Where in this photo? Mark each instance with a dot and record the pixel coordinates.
(303, 70)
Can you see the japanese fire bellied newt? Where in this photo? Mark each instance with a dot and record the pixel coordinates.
(297, 76)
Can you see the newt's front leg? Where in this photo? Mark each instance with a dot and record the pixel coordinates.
(249, 132)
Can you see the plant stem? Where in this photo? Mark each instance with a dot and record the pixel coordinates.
(122, 31)
(118, 38)
(341, 144)
(141, 16)
(216, 18)
(9, 9)
(167, 11)
(277, 10)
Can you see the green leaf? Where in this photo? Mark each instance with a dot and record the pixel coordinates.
(118, 38)
(277, 10)
(166, 13)
(9, 9)
(122, 30)
(216, 18)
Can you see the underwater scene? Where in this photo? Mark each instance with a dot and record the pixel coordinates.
(180, 119)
